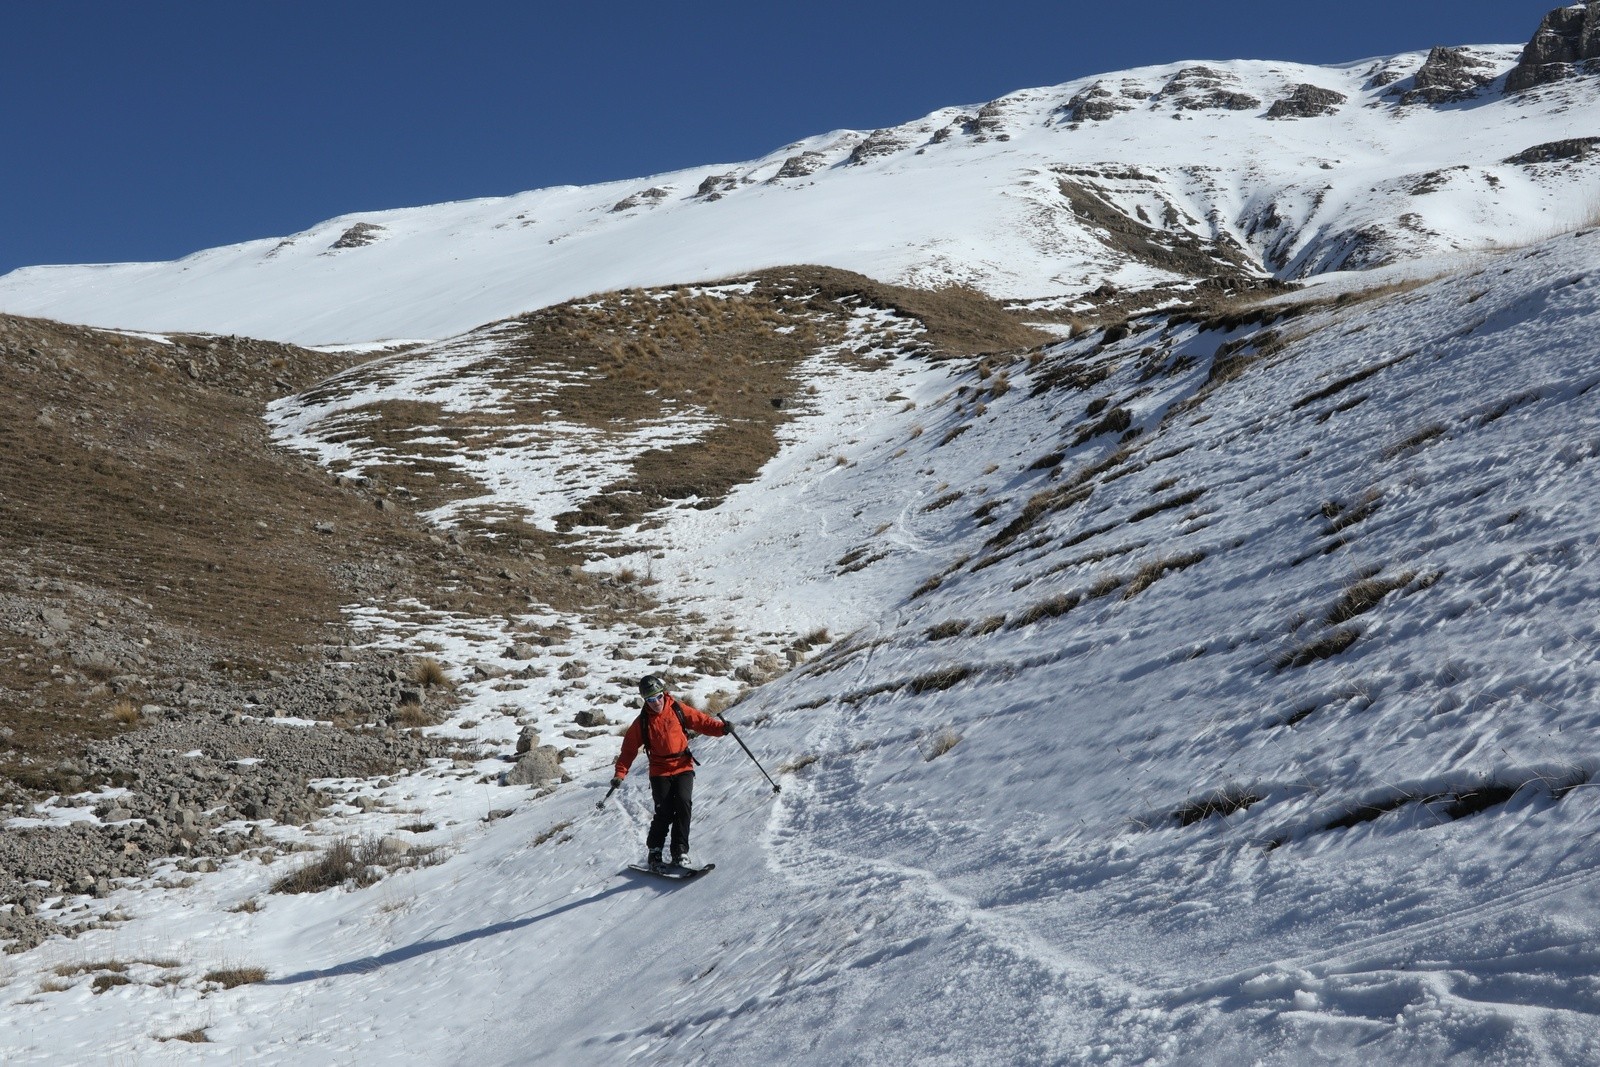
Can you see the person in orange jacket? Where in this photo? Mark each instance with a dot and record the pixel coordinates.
(662, 729)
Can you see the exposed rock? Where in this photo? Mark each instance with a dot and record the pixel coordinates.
(1204, 89)
(649, 197)
(527, 740)
(179, 799)
(1383, 77)
(1566, 39)
(1448, 74)
(1306, 102)
(359, 235)
(765, 668)
(879, 143)
(521, 650)
(536, 767)
(800, 166)
(715, 185)
(1094, 104)
(591, 718)
(1556, 151)
(986, 122)
(1435, 180)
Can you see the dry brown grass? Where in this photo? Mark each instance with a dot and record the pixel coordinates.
(1155, 570)
(941, 679)
(155, 500)
(352, 862)
(429, 672)
(1051, 607)
(1326, 646)
(197, 1036)
(230, 977)
(1363, 595)
(413, 717)
(1415, 440)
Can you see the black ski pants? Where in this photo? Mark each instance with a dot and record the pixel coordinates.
(674, 797)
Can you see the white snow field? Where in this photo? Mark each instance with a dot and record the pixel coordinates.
(1223, 693)
(968, 195)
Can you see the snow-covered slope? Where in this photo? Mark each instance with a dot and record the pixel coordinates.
(1224, 693)
(1161, 173)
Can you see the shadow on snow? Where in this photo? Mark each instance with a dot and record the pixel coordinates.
(410, 952)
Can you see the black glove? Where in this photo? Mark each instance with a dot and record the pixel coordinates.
(616, 781)
(729, 724)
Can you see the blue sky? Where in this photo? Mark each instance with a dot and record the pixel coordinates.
(145, 131)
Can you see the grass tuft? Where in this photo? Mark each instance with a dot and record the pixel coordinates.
(940, 743)
(353, 863)
(1219, 802)
(1325, 647)
(197, 1036)
(429, 672)
(229, 977)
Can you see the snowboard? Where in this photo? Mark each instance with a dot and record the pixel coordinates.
(672, 872)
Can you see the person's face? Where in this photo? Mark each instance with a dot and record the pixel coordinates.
(653, 704)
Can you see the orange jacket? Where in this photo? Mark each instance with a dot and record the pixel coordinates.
(669, 745)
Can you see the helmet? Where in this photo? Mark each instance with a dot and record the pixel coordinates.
(651, 685)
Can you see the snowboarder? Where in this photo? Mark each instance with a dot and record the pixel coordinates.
(666, 738)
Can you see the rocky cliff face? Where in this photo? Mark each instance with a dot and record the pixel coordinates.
(1448, 74)
(1567, 39)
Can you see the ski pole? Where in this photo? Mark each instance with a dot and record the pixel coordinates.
(605, 798)
(776, 788)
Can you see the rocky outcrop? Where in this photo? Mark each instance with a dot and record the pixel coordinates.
(1306, 102)
(359, 236)
(987, 123)
(1094, 104)
(1557, 151)
(536, 767)
(193, 786)
(879, 143)
(1448, 74)
(1205, 89)
(715, 185)
(645, 198)
(800, 166)
(1566, 40)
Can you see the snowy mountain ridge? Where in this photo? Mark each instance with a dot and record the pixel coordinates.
(1158, 175)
